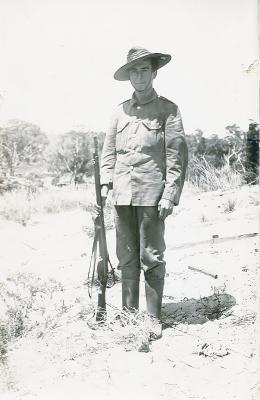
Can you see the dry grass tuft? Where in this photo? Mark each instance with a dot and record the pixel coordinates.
(203, 218)
(129, 330)
(230, 206)
(39, 308)
(27, 302)
(204, 176)
(16, 206)
(20, 205)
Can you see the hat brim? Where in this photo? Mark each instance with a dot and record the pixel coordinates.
(122, 74)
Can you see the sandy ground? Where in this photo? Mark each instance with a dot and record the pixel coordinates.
(209, 348)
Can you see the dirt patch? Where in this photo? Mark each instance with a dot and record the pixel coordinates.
(197, 311)
(208, 350)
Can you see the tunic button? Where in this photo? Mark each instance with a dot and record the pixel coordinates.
(138, 107)
(131, 168)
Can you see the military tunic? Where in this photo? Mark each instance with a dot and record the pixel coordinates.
(145, 155)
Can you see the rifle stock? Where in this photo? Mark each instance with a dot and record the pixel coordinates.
(102, 265)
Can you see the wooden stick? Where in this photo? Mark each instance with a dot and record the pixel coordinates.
(215, 276)
(213, 240)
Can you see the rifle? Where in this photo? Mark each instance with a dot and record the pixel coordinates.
(100, 242)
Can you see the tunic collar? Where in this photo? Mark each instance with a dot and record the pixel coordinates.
(150, 98)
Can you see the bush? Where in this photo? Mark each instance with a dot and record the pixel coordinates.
(204, 176)
(25, 302)
(71, 157)
(16, 206)
(30, 305)
(21, 144)
(5, 337)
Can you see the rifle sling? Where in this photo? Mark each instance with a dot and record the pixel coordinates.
(93, 264)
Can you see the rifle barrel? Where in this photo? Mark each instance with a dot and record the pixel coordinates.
(102, 266)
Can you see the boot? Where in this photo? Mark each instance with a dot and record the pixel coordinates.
(154, 292)
(130, 294)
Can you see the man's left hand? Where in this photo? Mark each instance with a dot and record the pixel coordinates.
(165, 208)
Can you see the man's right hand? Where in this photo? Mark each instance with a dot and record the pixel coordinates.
(104, 193)
(97, 209)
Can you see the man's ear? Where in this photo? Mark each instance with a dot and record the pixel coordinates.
(154, 74)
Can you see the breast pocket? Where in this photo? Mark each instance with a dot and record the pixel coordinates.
(122, 135)
(152, 134)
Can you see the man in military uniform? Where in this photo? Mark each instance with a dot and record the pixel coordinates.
(144, 160)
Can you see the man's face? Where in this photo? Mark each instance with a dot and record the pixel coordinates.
(141, 76)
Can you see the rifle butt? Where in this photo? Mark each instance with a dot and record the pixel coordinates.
(101, 306)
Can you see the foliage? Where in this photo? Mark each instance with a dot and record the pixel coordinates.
(236, 156)
(20, 205)
(69, 160)
(230, 206)
(212, 149)
(218, 150)
(204, 176)
(236, 140)
(72, 156)
(26, 302)
(30, 183)
(23, 207)
(21, 143)
(252, 153)
(16, 206)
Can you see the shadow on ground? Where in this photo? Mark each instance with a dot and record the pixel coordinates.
(197, 311)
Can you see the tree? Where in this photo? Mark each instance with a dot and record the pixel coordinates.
(72, 155)
(196, 143)
(21, 143)
(236, 156)
(252, 152)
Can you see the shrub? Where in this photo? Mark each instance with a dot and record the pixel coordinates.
(16, 206)
(4, 339)
(204, 176)
(72, 156)
(25, 303)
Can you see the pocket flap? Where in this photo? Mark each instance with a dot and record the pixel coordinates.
(122, 125)
(153, 124)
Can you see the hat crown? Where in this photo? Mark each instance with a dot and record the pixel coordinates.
(137, 52)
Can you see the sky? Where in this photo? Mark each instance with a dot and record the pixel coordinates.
(58, 58)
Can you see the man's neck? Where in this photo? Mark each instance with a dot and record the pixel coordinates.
(142, 97)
